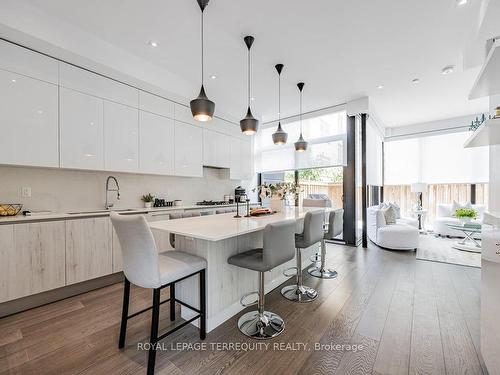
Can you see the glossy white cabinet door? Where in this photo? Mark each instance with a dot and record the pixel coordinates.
(223, 145)
(210, 148)
(156, 144)
(121, 138)
(32, 64)
(28, 121)
(94, 84)
(188, 150)
(155, 104)
(246, 160)
(81, 129)
(235, 172)
(184, 114)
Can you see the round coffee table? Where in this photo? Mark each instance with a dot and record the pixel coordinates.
(469, 243)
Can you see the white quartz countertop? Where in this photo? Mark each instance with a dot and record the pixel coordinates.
(223, 226)
(81, 214)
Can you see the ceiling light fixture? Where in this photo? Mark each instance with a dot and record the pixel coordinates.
(213, 76)
(202, 108)
(462, 2)
(380, 87)
(448, 69)
(249, 124)
(153, 44)
(279, 136)
(415, 80)
(301, 144)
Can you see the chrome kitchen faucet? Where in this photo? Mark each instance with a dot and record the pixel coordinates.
(117, 189)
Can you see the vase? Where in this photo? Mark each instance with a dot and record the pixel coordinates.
(465, 220)
(147, 204)
(277, 204)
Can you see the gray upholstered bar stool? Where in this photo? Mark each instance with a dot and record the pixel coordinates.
(180, 215)
(144, 267)
(313, 233)
(277, 249)
(335, 227)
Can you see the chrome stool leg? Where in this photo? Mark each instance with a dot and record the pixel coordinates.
(322, 272)
(299, 292)
(260, 324)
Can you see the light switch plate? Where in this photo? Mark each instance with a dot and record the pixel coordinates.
(26, 192)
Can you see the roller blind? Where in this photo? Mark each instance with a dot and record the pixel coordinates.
(435, 160)
(326, 134)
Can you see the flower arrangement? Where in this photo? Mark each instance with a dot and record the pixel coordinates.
(148, 200)
(466, 213)
(280, 190)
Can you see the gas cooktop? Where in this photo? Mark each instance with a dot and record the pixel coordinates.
(212, 203)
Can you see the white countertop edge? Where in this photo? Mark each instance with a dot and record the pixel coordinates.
(62, 215)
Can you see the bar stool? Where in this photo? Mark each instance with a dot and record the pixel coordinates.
(313, 233)
(335, 227)
(180, 215)
(277, 249)
(144, 267)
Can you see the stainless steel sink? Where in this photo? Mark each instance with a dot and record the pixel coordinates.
(99, 211)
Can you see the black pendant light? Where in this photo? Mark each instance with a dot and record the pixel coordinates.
(300, 145)
(279, 136)
(249, 124)
(202, 108)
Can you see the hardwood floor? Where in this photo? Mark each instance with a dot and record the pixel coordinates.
(404, 316)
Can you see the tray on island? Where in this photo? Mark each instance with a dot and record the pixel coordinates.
(262, 213)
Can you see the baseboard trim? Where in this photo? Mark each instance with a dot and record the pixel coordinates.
(40, 299)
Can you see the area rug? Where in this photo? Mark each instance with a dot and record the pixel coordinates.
(437, 249)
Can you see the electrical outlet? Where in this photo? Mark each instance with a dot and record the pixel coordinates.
(26, 192)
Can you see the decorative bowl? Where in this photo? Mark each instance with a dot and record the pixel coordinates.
(10, 209)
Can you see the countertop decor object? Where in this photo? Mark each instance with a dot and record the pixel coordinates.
(279, 136)
(278, 193)
(202, 108)
(10, 209)
(249, 124)
(148, 200)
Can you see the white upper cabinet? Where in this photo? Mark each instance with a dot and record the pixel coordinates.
(223, 150)
(25, 62)
(155, 104)
(184, 114)
(121, 138)
(188, 150)
(81, 130)
(241, 159)
(90, 83)
(156, 144)
(28, 121)
(209, 148)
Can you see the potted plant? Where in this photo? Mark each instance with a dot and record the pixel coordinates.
(465, 214)
(148, 200)
(277, 193)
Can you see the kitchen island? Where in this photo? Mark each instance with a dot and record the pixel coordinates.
(216, 238)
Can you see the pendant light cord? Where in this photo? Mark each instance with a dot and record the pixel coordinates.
(248, 77)
(279, 98)
(202, 67)
(300, 112)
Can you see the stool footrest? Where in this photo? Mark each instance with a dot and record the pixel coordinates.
(315, 258)
(290, 274)
(242, 303)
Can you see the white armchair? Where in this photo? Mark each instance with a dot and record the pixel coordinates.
(403, 235)
(444, 216)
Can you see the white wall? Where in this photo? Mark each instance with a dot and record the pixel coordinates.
(66, 190)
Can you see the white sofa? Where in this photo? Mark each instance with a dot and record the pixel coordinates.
(444, 216)
(403, 235)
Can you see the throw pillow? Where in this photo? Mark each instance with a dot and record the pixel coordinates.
(397, 209)
(389, 215)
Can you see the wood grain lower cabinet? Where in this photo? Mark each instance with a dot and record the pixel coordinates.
(32, 259)
(88, 249)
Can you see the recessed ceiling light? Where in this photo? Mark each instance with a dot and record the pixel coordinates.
(13, 80)
(462, 2)
(213, 76)
(252, 99)
(415, 80)
(153, 43)
(380, 87)
(448, 69)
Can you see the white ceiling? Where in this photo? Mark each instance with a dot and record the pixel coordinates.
(341, 49)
